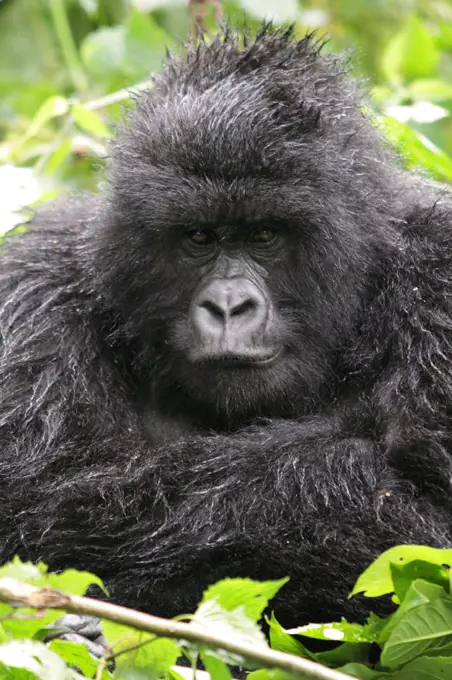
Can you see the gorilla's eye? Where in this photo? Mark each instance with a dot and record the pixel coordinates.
(263, 236)
(200, 237)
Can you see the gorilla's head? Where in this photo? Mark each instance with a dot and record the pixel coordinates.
(248, 193)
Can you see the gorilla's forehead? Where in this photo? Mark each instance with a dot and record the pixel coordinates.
(231, 154)
(232, 130)
(191, 199)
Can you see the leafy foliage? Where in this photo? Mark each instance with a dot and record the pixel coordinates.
(415, 641)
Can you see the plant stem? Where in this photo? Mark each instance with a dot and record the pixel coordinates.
(67, 44)
(118, 96)
(22, 594)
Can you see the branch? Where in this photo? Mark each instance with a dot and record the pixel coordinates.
(118, 96)
(21, 594)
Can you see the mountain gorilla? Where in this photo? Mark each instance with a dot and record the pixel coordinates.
(237, 360)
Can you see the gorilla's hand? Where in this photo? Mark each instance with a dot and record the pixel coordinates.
(83, 629)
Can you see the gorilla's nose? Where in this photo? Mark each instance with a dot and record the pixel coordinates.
(235, 308)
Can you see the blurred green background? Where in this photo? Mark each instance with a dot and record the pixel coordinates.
(66, 67)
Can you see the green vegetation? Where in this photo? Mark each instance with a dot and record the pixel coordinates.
(412, 643)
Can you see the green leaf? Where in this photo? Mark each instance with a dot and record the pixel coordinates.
(52, 108)
(156, 656)
(8, 673)
(430, 90)
(251, 597)
(420, 592)
(28, 623)
(357, 670)
(230, 625)
(102, 52)
(425, 668)
(36, 658)
(425, 630)
(281, 640)
(120, 637)
(375, 625)
(145, 43)
(420, 55)
(419, 151)
(404, 574)
(377, 580)
(146, 651)
(269, 674)
(217, 669)
(349, 652)
(75, 654)
(75, 582)
(231, 609)
(410, 54)
(57, 158)
(35, 574)
(90, 121)
(334, 632)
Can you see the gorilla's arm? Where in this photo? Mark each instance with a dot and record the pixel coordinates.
(282, 499)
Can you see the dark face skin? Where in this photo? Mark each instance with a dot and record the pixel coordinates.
(238, 292)
(233, 330)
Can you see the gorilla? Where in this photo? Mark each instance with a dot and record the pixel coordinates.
(237, 359)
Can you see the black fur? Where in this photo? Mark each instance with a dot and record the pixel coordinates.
(119, 457)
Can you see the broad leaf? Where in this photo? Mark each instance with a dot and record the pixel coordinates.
(357, 670)
(217, 668)
(36, 658)
(419, 593)
(74, 582)
(269, 674)
(403, 576)
(102, 52)
(90, 121)
(75, 654)
(411, 53)
(334, 632)
(425, 668)
(425, 630)
(429, 89)
(377, 580)
(280, 639)
(250, 596)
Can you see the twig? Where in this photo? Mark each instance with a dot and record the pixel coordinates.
(118, 96)
(19, 594)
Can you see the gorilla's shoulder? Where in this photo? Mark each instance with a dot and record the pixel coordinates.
(50, 243)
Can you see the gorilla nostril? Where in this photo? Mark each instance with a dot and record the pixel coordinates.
(244, 308)
(214, 310)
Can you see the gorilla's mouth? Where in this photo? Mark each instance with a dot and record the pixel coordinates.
(245, 360)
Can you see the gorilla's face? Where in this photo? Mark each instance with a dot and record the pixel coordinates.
(243, 309)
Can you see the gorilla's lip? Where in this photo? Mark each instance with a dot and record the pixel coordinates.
(231, 360)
